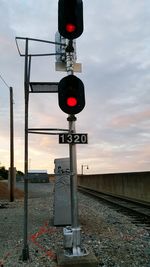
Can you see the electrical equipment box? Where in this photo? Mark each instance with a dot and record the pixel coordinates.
(62, 194)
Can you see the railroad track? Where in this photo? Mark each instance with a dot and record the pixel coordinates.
(138, 211)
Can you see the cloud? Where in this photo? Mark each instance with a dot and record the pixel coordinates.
(132, 119)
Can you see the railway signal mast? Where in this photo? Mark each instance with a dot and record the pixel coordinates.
(71, 99)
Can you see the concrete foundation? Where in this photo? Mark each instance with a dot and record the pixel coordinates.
(83, 261)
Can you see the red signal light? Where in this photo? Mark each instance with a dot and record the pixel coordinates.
(70, 27)
(71, 98)
(70, 18)
(71, 101)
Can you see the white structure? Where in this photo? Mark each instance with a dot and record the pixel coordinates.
(62, 197)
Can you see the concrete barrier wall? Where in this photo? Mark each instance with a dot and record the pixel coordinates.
(134, 185)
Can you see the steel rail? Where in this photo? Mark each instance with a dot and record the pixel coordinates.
(135, 206)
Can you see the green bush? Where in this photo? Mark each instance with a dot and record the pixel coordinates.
(3, 173)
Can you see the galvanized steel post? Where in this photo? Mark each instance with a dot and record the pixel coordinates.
(76, 251)
(25, 252)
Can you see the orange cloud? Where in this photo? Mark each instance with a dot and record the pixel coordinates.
(131, 119)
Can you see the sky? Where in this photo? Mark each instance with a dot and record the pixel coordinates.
(114, 51)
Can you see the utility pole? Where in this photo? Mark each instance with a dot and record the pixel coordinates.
(11, 181)
(12, 171)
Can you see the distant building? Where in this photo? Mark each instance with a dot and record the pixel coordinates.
(38, 176)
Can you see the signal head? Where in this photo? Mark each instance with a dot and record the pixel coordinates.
(71, 96)
(70, 18)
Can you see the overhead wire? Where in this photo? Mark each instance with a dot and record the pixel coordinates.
(4, 81)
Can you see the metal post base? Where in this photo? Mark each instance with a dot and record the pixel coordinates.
(75, 252)
(72, 247)
(25, 253)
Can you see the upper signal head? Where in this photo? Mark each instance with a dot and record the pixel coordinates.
(70, 18)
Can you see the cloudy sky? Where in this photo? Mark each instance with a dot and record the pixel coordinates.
(115, 54)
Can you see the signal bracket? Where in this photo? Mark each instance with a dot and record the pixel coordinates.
(70, 48)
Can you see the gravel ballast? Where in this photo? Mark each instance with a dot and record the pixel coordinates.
(113, 237)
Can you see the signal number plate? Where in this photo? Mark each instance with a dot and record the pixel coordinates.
(73, 138)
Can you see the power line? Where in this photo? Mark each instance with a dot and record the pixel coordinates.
(4, 81)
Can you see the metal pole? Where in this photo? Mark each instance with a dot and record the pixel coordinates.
(76, 250)
(11, 147)
(25, 251)
(82, 169)
(73, 176)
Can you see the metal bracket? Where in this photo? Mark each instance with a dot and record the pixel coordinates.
(72, 242)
